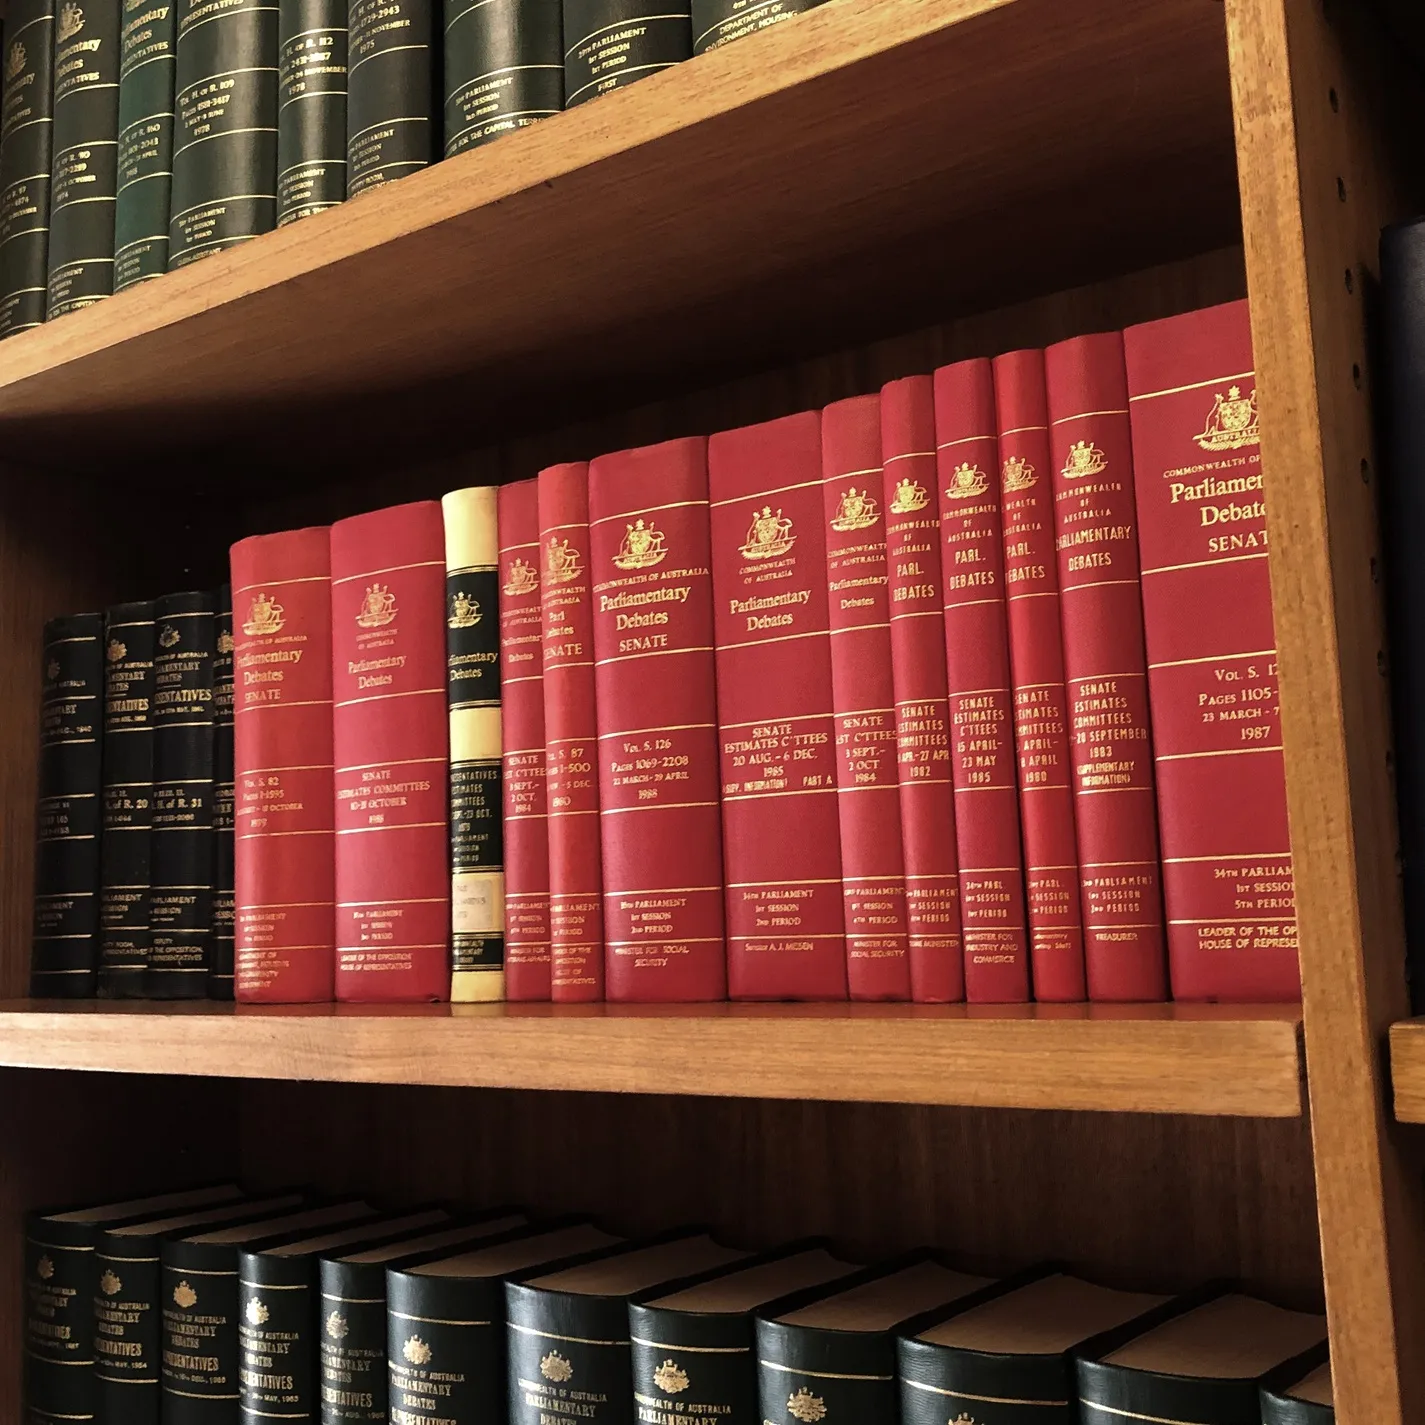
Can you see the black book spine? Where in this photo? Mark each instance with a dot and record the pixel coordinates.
(86, 142)
(939, 1383)
(124, 860)
(391, 87)
(225, 141)
(26, 119)
(719, 22)
(146, 68)
(311, 115)
(127, 1329)
(693, 1366)
(808, 1374)
(570, 1357)
(610, 43)
(445, 1349)
(504, 68)
(277, 1367)
(59, 1322)
(200, 1334)
(181, 906)
(220, 978)
(353, 1343)
(66, 943)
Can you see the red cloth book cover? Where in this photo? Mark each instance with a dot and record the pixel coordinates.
(1036, 659)
(571, 775)
(657, 721)
(284, 833)
(391, 739)
(927, 790)
(527, 941)
(781, 839)
(1105, 668)
(977, 672)
(863, 702)
(1212, 671)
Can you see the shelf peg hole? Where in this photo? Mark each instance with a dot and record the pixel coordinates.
(1341, 189)
(1375, 570)
(1356, 374)
(1335, 100)
(1366, 472)
(1350, 280)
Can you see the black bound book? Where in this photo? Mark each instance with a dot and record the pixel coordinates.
(26, 118)
(694, 1341)
(146, 70)
(832, 1351)
(59, 1297)
(445, 1322)
(128, 1321)
(352, 1330)
(311, 112)
(719, 22)
(1290, 1398)
(128, 800)
(569, 1342)
(86, 132)
(504, 67)
(181, 900)
(65, 960)
(1206, 1362)
(393, 78)
(221, 967)
(610, 43)
(1006, 1355)
(199, 1291)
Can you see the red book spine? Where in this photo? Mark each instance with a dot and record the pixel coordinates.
(977, 672)
(657, 712)
(1105, 669)
(927, 791)
(285, 843)
(527, 940)
(1036, 657)
(1212, 671)
(576, 916)
(391, 737)
(863, 703)
(782, 844)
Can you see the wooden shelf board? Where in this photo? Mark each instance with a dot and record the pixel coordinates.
(1206, 1059)
(1407, 1069)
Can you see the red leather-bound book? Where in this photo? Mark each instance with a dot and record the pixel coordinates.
(576, 919)
(284, 834)
(1105, 669)
(391, 738)
(927, 791)
(977, 673)
(782, 845)
(1036, 658)
(1212, 671)
(527, 948)
(657, 710)
(863, 702)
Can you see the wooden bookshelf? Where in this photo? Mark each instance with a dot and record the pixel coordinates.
(1407, 1070)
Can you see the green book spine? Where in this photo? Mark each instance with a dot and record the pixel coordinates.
(221, 976)
(504, 68)
(26, 118)
(311, 120)
(610, 43)
(225, 140)
(391, 89)
(86, 145)
(719, 22)
(146, 66)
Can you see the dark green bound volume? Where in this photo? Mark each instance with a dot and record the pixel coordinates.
(220, 975)
(832, 1352)
(610, 43)
(199, 1293)
(86, 144)
(1289, 1398)
(225, 138)
(1005, 1356)
(719, 22)
(125, 1286)
(26, 118)
(181, 901)
(391, 87)
(1203, 1359)
(149, 56)
(445, 1323)
(569, 1344)
(128, 800)
(504, 68)
(311, 113)
(352, 1330)
(694, 1342)
(66, 946)
(59, 1299)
